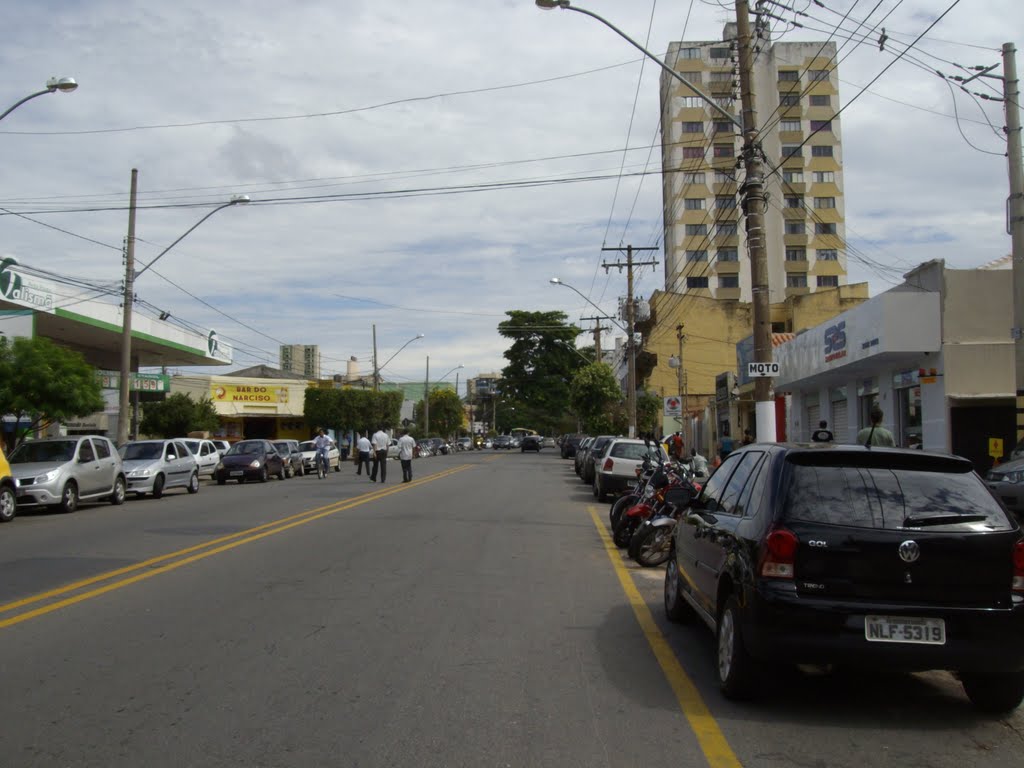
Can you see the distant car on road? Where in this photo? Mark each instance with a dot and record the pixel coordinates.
(250, 460)
(63, 471)
(154, 466)
(206, 452)
(502, 443)
(465, 443)
(293, 457)
(570, 444)
(531, 443)
(308, 449)
(1007, 483)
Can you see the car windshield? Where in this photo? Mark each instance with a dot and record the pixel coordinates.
(283, 448)
(634, 451)
(44, 451)
(246, 447)
(142, 451)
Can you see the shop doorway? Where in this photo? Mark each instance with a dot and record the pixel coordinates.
(971, 426)
(260, 427)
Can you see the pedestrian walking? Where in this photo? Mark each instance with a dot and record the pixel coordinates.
(343, 447)
(822, 434)
(363, 449)
(380, 442)
(406, 446)
(677, 446)
(876, 434)
(724, 447)
(698, 464)
(748, 438)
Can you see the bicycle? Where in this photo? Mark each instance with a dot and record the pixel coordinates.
(322, 464)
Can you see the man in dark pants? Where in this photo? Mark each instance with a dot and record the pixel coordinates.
(363, 449)
(406, 446)
(380, 442)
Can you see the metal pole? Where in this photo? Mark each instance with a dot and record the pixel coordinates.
(1011, 96)
(683, 388)
(376, 375)
(753, 209)
(426, 402)
(123, 411)
(630, 342)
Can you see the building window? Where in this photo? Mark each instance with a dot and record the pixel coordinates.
(828, 254)
(728, 281)
(793, 177)
(821, 101)
(824, 177)
(821, 126)
(824, 150)
(693, 178)
(691, 77)
(693, 101)
(728, 254)
(794, 201)
(696, 255)
(828, 281)
(724, 177)
(792, 150)
(725, 102)
(725, 228)
(796, 228)
(796, 254)
(689, 53)
(694, 203)
(721, 53)
(720, 77)
(693, 127)
(824, 229)
(696, 282)
(725, 202)
(693, 153)
(725, 150)
(789, 99)
(789, 75)
(818, 75)
(696, 230)
(789, 125)
(824, 202)
(724, 127)
(796, 280)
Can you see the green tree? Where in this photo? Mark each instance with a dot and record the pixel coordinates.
(595, 395)
(42, 383)
(541, 362)
(362, 410)
(177, 415)
(445, 413)
(648, 413)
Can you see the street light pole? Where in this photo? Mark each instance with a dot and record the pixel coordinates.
(377, 369)
(130, 276)
(63, 84)
(426, 402)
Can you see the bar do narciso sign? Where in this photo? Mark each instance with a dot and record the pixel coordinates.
(762, 370)
(244, 393)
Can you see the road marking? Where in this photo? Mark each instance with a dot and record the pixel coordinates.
(710, 737)
(211, 548)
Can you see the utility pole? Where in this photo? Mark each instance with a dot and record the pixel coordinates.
(598, 330)
(123, 414)
(753, 210)
(630, 319)
(376, 373)
(1011, 98)
(426, 402)
(684, 387)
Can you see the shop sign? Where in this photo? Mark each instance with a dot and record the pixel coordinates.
(246, 393)
(835, 342)
(673, 406)
(139, 382)
(19, 288)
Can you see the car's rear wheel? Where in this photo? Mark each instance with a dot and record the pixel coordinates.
(281, 473)
(264, 475)
(676, 607)
(120, 491)
(158, 487)
(193, 483)
(736, 674)
(997, 694)
(8, 504)
(599, 492)
(300, 470)
(69, 497)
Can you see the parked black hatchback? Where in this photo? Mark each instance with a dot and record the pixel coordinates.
(849, 555)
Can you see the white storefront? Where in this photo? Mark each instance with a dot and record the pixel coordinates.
(933, 353)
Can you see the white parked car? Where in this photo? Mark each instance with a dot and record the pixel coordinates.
(61, 471)
(206, 454)
(308, 450)
(153, 466)
(615, 467)
(223, 446)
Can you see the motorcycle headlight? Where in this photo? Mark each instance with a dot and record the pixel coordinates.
(255, 464)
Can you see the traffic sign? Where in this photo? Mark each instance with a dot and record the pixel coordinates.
(761, 370)
(673, 406)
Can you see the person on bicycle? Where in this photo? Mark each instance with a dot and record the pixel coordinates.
(323, 447)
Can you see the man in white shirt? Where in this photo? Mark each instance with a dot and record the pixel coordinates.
(363, 447)
(380, 442)
(406, 445)
(698, 464)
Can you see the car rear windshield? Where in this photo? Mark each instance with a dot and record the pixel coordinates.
(142, 451)
(192, 445)
(49, 451)
(635, 451)
(874, 497)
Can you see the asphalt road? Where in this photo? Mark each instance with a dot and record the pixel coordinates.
(475, 617)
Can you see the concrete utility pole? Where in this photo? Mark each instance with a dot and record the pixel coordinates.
(753, 210)
(426, 402)
(630, 319)
(376, 371)
(123, 418)
(1011, 98)
(597, 331)
(684, 387)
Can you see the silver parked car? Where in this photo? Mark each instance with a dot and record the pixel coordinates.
(62, 471)
(153, 466)
(206, 453)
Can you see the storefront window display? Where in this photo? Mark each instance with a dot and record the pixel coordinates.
(908, 409)
(867, 398)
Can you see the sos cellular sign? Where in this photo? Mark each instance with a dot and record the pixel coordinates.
(762, 370)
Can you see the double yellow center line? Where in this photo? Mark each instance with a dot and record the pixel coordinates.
(78, 591)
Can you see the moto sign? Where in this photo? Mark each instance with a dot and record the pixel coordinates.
(762, 370)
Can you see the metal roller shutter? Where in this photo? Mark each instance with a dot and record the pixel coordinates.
(840, 422)
(813, 417)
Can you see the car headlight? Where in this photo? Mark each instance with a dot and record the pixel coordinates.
(50, 476)
(140, 473)
(255, 464)
(1013, 477)
(220, 465)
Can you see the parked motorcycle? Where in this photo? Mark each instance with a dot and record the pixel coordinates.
(651, 544)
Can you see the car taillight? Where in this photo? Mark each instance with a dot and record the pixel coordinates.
(1018, 567)
(779, 554)
(608, 464)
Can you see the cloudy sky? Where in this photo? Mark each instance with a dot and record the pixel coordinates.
(426, 166)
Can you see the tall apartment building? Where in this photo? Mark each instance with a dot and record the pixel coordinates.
(301, 360)
(797, 93)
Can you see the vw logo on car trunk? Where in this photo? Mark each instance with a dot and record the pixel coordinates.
(909, 551)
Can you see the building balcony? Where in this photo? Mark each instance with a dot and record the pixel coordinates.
(794, 214)
(829, 268)
(726, 241)
(796, 241)
(796, 265)
(795, 187)
(727, 267)
(728, 294)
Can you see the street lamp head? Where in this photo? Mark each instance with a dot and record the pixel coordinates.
(555, 281)
(65, 84)
(239, 199)
(547, 5)
(419, 335)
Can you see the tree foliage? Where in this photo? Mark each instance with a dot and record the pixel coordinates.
(446, 415)
(42, 383)
(541, 362)
(597, 399)
(362, 410)
(177, 415)
(648, 414)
